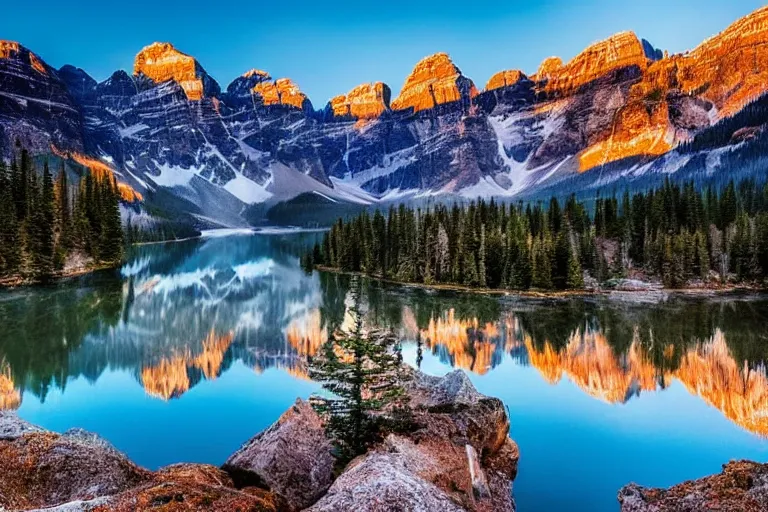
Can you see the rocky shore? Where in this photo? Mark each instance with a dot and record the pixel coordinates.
(742, 486)
(457, 457)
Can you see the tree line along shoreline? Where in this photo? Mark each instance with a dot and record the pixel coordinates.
(53, 224)
(60, 224)
(674, 235)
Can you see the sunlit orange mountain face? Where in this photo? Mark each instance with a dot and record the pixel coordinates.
(586, 358)
(185, 314)
(621, 110)
(10, 396)
(613, 364)
(170, 377)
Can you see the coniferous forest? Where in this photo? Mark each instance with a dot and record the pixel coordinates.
(48, 223)
(675, 234)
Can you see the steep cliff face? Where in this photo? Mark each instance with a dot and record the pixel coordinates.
(619, 51)
(161, 62)
(731, 68)
(631, 102)
(508, 78)
(434, 81)
(602, 118)
(282, 91)
(366, 101)
(36, 107)
(548, 68)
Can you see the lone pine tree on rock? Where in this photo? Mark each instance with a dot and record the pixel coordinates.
(361, 371)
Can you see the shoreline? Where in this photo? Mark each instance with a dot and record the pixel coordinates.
(288, 466)
(224, 232)
(553, 294)
(17, 281)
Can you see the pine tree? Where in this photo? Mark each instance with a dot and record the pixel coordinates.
(10, 244)
(111, 247)
(561, 261)
(64, 216)
(521, 270)
(362, 369)
(481, 270)
(575, 279)
(542, 264)
(44, 217)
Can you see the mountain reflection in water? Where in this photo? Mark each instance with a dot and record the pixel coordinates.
(179, 314)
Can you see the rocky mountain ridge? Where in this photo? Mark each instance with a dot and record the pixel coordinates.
(617, 112)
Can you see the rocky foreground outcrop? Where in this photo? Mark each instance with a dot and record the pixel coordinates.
(741, 487)
(458, 456)
(79, 471)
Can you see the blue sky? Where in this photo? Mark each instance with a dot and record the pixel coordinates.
(329, 47)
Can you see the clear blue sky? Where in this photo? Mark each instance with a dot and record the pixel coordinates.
(329, 47)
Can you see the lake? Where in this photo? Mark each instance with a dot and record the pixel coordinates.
(193, 347)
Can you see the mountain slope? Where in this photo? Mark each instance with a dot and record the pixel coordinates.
(619, 111)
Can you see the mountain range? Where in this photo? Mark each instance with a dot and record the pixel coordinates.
(619, 113)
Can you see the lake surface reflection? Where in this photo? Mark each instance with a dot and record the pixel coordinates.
(193, 347)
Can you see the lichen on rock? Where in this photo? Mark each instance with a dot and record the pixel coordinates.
(742, 486)
(293, 457)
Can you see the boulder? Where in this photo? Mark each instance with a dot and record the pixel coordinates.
(292, 457)
(42, 469)
(192, 487)
(452, 408)
(741, 487)
(380, 482)
(12, 427)
(81, 472)
(458, 457)
(462, 443)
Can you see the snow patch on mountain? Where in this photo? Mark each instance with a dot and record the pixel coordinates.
(173, 176)
(246, 190)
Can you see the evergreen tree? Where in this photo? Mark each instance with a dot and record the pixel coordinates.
(44, 218)
(575, 279)
(10, 245)
(111, 249)
(362, 371)
(669, 233)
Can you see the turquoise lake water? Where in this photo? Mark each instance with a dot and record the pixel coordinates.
(193, 347)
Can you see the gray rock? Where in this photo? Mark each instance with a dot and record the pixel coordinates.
(76, 506)
(383, 482)
(456, 410)
(741, 487)
(454, 389)
(66, 468)
(13, 427)
(292, 457)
